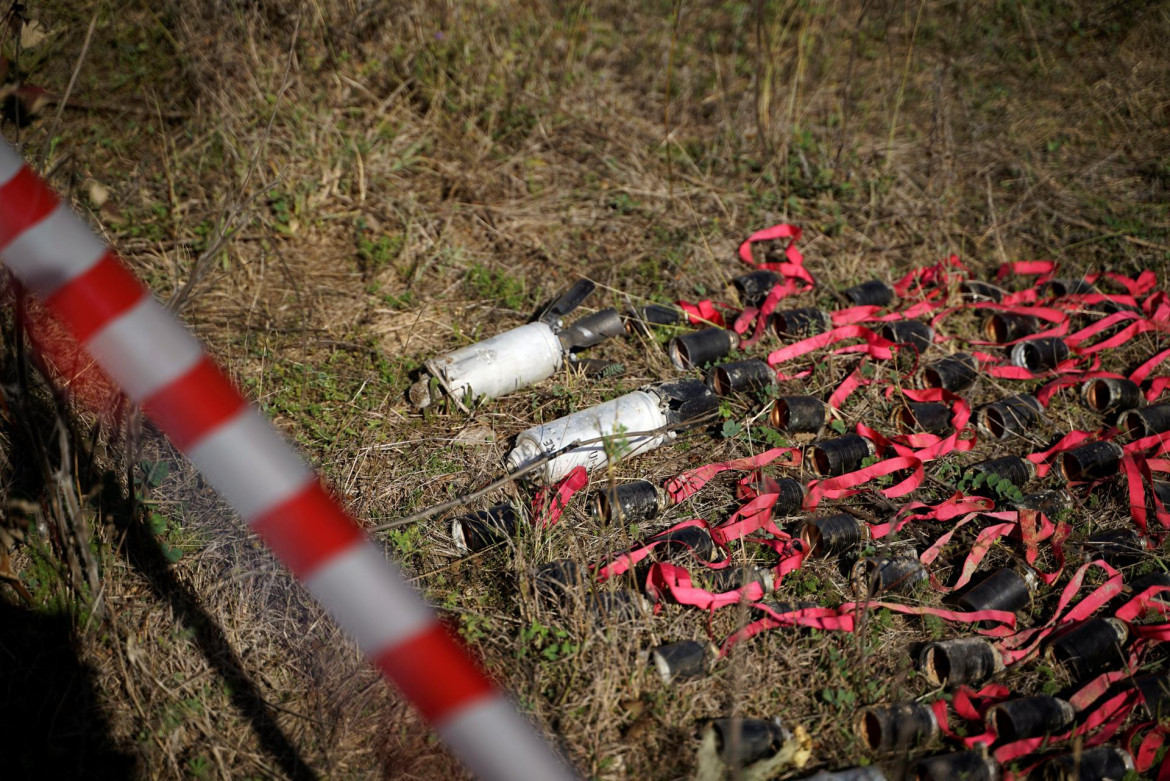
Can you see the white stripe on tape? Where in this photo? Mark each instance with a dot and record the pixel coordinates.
(145, 349)
(10, 164)
(55, 250)
(249, 464)
(496, 742)
(367, 596)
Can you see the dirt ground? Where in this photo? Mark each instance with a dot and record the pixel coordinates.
(329, 193)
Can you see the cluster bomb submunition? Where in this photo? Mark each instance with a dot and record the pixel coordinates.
(639, 500)
(840, 455)
(699, 348)
(874, 576)
(741, 742)
(519, 357)
(740, 376)
(1013, 416)
(680, 661)
(623, 427)
(1108, 394)
(964, 660)
(1090, 647)
(799, 414)
(832, 534)
(1145, 421)
(1039, 355)
(954, 373)
(871, 293)
(896, 726)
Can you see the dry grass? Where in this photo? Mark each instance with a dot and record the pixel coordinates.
(394, 180)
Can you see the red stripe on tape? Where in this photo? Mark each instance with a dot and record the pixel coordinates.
(88, 303)
(434, 672)
(195, 404)
(307, 530)
(26, 201)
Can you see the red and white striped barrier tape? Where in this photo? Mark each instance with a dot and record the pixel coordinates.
(159, 365)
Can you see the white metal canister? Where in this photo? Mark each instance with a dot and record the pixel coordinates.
(634, 412)
(500, 365)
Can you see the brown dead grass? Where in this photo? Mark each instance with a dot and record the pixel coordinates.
(527, 143)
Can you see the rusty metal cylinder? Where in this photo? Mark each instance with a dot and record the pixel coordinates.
(755, 286)
(965, 765)
(1013, 416)
(680, 661)
(840, 455)
(954, 373)
(701, 347)
(895, 726)
(800, 322)
(913, 333)
(833, 534)
(639, 500)
(974, 291)
(932, 417)
(1030, 717)
(741, 742)
(799, 414)
(874, 576)
(871, 293)
(1094, 764)
(479, 530)
(963, 661)
(1004, 589)
(1109, 394)
(1146, 421)
(720, 581)
(1090, 647)
(1003, 327)
(1039, 355)
(740, 376)
(789, 496)
(1090, 462)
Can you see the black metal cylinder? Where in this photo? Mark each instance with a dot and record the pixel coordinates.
(929, 416)
(800, 322)
(1117, 547)
(1094, 764)
(1012, 468)
(741, 742)
(790, 496)
(1048, 502)
(871, 293)
(1030, 717)
(639, 320)
(799, 414)
(1146, 421)
(964, 660)
(916, 334)
(840, 455)
(616, 606)
(780, 608)
(680, 661)
(555, 581)
(1004, 589)
(1002, 327)
(592, 330)
(878, 575)
(1059, 288)
(632, 502)
(895, 726)
(1161, 489)
(1155, 695)
(1108, 394)
(1012, 416)
(755, 286)
(1091, 646)
(740, 376)
(1091, 461)
(833, 534)
(688, 541)
(700, 347)
(479, 530)
(965, 765)
(730, 578)
(1039, 355)
(954, 373)
(974, 291)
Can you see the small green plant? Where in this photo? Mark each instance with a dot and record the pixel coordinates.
(552, 643)
(499, 286)
(730, 428)
(838, 425)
